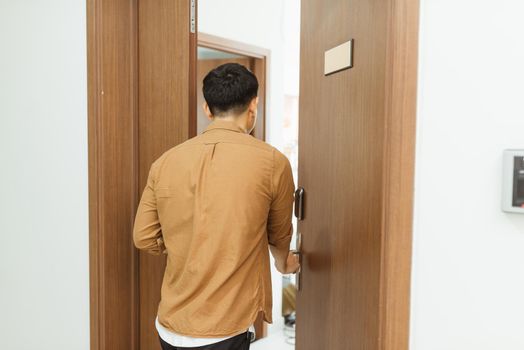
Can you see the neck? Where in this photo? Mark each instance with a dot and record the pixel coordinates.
(240, 120)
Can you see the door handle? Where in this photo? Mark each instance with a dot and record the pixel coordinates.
(299, 213)
(298, 252)
(299, 203)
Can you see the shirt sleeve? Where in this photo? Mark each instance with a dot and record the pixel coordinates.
(280, 227)
(147, 231)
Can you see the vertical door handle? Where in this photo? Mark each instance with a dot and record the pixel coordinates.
(299, 213)
(298, 252)
(299, 203)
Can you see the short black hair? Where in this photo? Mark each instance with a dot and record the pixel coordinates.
(229, 88)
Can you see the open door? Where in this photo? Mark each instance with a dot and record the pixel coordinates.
(356, 154)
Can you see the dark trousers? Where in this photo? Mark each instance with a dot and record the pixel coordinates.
(238, 342)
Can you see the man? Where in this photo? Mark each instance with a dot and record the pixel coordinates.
(213, 204)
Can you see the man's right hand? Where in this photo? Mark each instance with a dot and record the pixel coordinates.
(292, 264)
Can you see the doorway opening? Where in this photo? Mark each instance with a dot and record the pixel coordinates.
(213, 51)
(357, 132)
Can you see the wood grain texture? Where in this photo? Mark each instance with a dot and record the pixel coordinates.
(93, 106)
(112, 181)
(398, 189)
(164, 71)
(349, 152)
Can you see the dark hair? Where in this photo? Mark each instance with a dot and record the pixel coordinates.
(229, 88)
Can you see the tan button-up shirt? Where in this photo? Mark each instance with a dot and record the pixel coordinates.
(213, 204)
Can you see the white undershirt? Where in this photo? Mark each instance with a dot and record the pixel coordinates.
(175, 339)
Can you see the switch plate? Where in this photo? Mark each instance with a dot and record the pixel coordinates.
(513, 181)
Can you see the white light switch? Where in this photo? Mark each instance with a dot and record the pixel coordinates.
(338, 58)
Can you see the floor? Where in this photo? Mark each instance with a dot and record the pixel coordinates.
(274, 341)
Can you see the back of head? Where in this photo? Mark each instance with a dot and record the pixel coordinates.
(229, 88)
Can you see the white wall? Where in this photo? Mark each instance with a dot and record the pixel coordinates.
(44, 290)
(274, 25)
(468, 268)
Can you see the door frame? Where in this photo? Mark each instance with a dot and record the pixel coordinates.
(118, 150)
(231, 46)
(399, 177)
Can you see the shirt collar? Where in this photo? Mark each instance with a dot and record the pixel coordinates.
(218, 123)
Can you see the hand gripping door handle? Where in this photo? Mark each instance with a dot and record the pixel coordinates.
(299, 213)
(298, 252)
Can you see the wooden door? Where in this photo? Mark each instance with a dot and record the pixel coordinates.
(356, 147)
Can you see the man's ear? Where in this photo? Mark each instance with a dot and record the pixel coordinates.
(207, 111)
(253, 105)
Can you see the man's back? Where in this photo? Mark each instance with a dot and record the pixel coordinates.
(214, 203)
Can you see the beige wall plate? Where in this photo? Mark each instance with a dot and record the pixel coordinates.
(338, 58)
